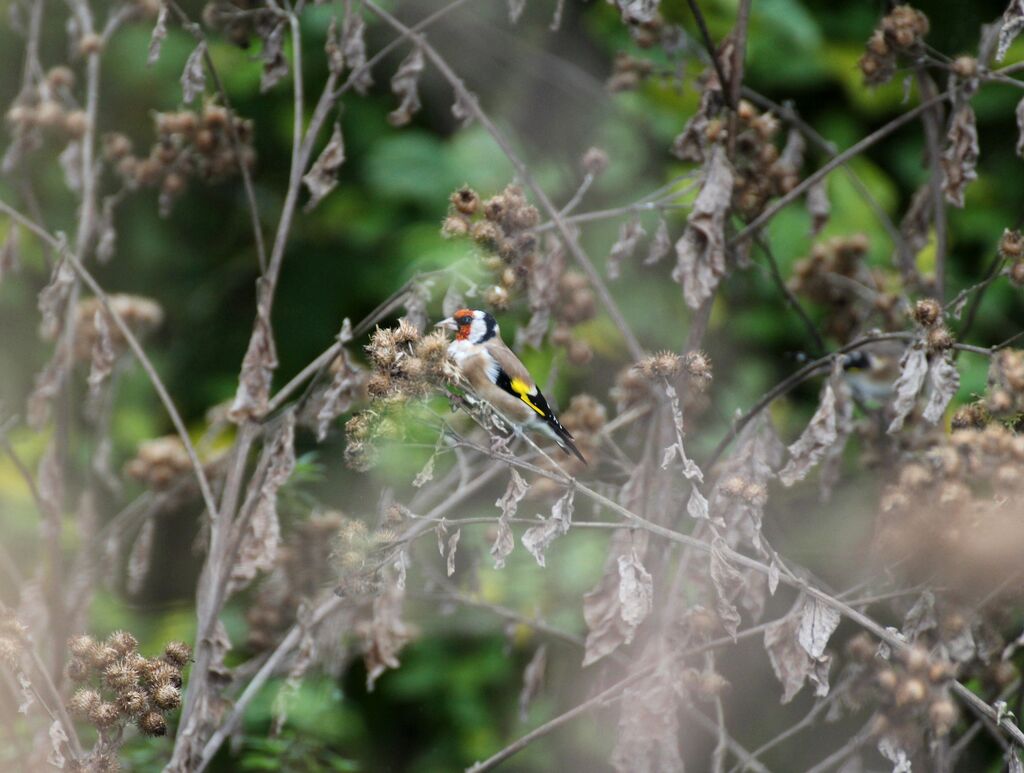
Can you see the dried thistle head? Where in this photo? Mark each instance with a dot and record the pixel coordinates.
(177, 653)
(123, 642)
(104, 715)
(665, 364)
(132, 703)
(159, 462)
(927, 312)
(122, 674)
(152, 723)
(83, 702)
(166, 696)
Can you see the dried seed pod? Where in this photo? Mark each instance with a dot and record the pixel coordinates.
(927, 312)
(153, 723)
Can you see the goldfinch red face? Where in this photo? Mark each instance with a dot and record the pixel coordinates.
(473, 326)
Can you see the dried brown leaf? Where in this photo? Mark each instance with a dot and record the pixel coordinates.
(102, 357)
(818, 206)
(156, 40)
(701, 250)
(630, 234)
(504, 542)
(70, 160)
(913, 370)
(817, 439)
(921, 617)
(258, 365)
(728, 582)
(58, 738)
(139, 557)
(10, 253)
(636, 591)
(333, 49)
(660, 244)
(261, 533)
(322, 177)
(353, 40)
(453, 544)
(533, 679)
(193, 77)
(648, 737)
(818, 622)
(943, 383)
(960, 159)
(404, 84)
(792, 155)
(462, 110)
(537, 539)
(275, 64)
(27, 694)
(385, 634)
(1013, 23)
(790, 661)
(53, 299)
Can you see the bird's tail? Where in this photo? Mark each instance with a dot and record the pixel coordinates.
(563, 437)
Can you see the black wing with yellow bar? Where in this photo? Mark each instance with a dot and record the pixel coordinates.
(532, 396)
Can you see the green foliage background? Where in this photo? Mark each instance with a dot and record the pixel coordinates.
(453, 699)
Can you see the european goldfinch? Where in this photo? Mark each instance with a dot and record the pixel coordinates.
(499, 378)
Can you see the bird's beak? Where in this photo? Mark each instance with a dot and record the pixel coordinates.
(448, 324)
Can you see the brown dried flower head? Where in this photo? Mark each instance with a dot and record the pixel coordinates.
(927, 312)
(152, 723)
(664, 364)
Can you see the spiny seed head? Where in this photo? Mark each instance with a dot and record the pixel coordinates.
(465, 200)
(60, 77)
(594, 161)
(734, 486)
(887, 679)
(927, 312)
(78, 670)
(104, 714)
(1012, 244)
(123, 642)
(177, 653)
(153, 723)
(943, 715)
(83, 701)
(916, 659)
(454, 227)
(486, 234)
(965, 67)
(121, 674)
(664, 364)
(698, 367)
(103, 656)
(133, 702)
(406, 332)
(159, 672)
(861, 648)
(167, 697)
(1017, 273)
(82, 646)
(940, 339)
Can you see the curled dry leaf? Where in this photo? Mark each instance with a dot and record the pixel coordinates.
(728, 582)
(70, 160)
(426, 474)
(701, 250)
(1020, 128)
(920, 618)
(690, 143)
(943, 383)
(960, 159)
(261, 537)
(790, 659)
(533, 679)
(156, 40)
(384, 634)
(537, 539)
(515, 10)
(690, 468)
(333, 49)
(353, 47)
(404, 84)
(817, 439)
(27, 694)
(106, 243)
(1013, 23)
(53, 299)
(193, 77)
(275, 65)
(648, 732)
(660, 244)
(139, 558)
(630, 234)
(890, 748)
(258, 365)
(322, 177)
(58, 739)
(792, 155)
(603, 610)
(10, 254)
(504, 543)
(102, 357)
(344, 388)
(818, 206)
(636, 591)
(453, 544)
(818, 622)
(913, 370)
(462, 109)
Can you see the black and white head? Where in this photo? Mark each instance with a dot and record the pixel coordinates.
(471, 325)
